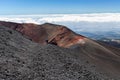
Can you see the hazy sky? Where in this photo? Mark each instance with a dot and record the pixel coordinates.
(58, 6)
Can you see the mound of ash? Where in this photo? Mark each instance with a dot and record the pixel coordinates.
(22, 59)
(54, 52)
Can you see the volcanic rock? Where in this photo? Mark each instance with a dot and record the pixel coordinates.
(72, 57)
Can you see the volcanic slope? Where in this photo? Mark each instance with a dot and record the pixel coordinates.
(97, 59)
(22, 59)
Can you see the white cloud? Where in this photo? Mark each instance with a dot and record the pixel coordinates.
(98, 17)
(77, 22)
(84, 17)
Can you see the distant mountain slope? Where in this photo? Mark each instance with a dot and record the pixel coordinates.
(111, 42)
(106, 59)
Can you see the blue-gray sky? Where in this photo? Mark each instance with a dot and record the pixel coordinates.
(22, 7)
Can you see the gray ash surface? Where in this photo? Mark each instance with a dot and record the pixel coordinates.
(22, 59)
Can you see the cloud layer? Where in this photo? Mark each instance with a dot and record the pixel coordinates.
(101, 17)
(77, 22)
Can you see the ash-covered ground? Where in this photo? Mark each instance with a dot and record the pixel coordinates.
(22, 59)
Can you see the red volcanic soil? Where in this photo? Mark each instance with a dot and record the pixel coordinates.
(47, 33)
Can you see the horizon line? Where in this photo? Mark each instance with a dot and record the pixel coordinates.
(62, 13)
